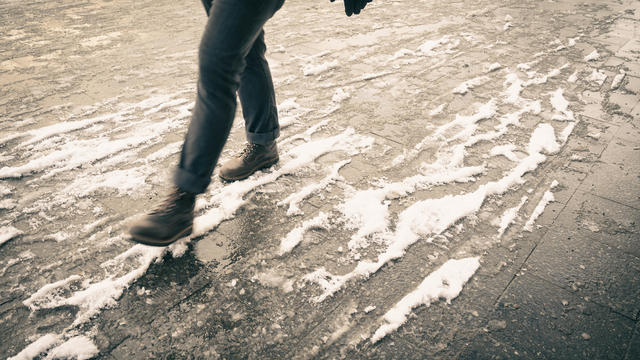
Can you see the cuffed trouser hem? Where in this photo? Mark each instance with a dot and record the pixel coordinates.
(263, 138)
(187, 181)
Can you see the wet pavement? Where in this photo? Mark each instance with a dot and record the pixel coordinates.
(412, 134)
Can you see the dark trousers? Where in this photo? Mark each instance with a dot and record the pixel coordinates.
(231, 60)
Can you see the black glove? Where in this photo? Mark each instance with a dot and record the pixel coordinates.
(354, 6)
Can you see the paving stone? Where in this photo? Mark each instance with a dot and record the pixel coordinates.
(629, 132)
(595, 111)
(620, 161)
(484, 347)
(613, 61)
(433, 328)
(591, 268)
(389, 348)
(633, 352)
(632, 68)
(603, 220)
(635, 112)
(544, 321)
(630, 50)
(632, 84)
(626, 102)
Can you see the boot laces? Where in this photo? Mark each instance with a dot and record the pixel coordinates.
(169, 204)
(249, 151)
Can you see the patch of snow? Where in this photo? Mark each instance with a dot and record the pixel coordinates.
(100, 40)
(445, 283)
(438, 110)
(543, 140)
(8, 204)
(228, 199)
(311, 69)
(514, 88)
(547, 197)
(59, 236)
(573, 77)
(597, 76)
(492, 67)
(566, 132)
(433, 216)
(470, 84)
(294, 199)
(593, 133)
(560, 104)
(593, 56)
(95, 296)
(524, 67)
(79, 348)
(544, 78)
(509, 216)
(77, 153)
(5, 190)
(467, 123)
(617, 80)
(37, 347)
(340, 95)
(367, 210)
(506, 151)
(401, 53)
(428, 47)
(274, 280)
(124, 181)
(7, 233)
(369, 309)
(294, 237)
(163, 153)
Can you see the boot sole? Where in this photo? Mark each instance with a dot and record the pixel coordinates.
(156, 242)
(262, 166)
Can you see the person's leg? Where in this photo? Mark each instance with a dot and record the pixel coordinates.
(258, 101)
(207, 5)
(257, 96)
(231, 30)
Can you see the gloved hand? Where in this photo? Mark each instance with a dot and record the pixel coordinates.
(354, 6)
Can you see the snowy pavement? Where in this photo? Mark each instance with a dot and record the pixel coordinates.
(457, 180)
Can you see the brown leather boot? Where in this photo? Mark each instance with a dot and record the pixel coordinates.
(253, 158)
(170, 221)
